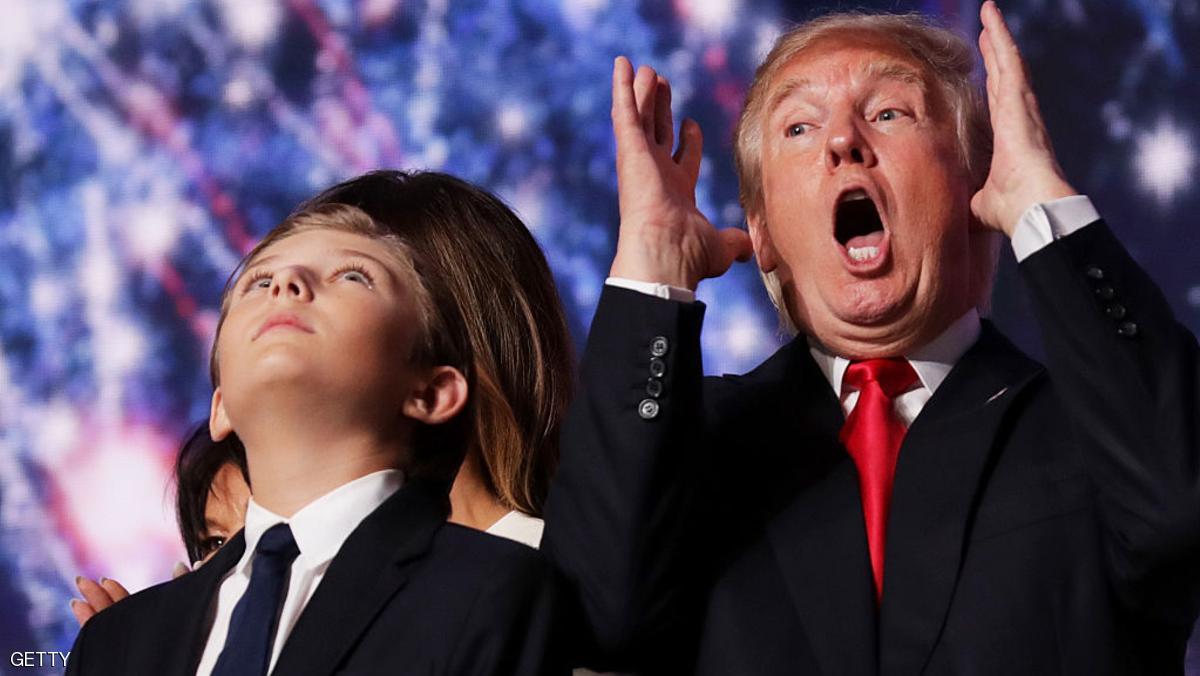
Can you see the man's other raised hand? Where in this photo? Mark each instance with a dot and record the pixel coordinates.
(1024, 170)
(663, 236)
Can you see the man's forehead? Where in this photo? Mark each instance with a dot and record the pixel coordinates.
(825, 61)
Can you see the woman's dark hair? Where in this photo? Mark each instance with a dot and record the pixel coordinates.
(196, 467)
(521, 352)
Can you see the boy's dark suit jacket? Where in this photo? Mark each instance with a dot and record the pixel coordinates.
(1044, 520)
(406, 594)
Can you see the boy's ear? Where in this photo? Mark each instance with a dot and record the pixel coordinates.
(439, 397)
(219, 426)
(764, 248)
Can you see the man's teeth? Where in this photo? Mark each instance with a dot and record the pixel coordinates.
(863, 253)
(856, 194)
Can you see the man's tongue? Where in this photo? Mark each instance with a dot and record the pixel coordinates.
(869, 239)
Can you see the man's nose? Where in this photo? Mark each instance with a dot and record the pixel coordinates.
(847, 144)
(291, 282)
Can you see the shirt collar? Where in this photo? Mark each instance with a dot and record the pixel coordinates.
(321, 526)
(931, 361)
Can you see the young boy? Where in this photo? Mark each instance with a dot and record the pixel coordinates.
(343, 367)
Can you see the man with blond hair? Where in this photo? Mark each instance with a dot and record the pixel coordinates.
(899, 490)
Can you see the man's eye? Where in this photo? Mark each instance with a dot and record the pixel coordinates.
(889, 114)
(796, 129)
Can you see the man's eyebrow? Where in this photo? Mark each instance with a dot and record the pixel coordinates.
(895, 70)
(789, 87)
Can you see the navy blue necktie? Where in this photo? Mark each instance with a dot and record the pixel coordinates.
(247, 650)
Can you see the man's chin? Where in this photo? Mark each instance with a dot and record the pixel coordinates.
(866, 330)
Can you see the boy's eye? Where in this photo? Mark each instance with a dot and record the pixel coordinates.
(260, 279)
(355, 273)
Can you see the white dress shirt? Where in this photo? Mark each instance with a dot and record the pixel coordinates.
(319, 528)
(932, 362)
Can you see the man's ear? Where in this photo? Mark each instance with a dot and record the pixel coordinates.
(764, 248)
(439, 397)
(219, 426)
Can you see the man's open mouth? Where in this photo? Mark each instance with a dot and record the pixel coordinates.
(858, 227)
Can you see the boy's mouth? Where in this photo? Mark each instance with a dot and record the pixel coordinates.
(285, 320)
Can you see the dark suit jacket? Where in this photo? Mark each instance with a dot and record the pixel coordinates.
(1044, 520)
(407, 593)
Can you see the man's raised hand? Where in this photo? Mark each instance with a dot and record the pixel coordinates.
(663, 237)
(1024, 171)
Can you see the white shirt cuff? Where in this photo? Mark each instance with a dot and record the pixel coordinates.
(664, 291)
(1045, 222)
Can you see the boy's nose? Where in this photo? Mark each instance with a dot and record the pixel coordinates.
(290, 281)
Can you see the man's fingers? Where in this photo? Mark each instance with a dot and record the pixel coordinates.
(735, 246)
(645, 86)
(691, 147)
(1006, 54)
(664, 124)
(95, 595)
(116, 591)
(627, 126)
(82, 611)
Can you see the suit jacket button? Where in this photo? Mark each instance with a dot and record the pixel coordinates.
(1094, 272)
(1115, 311)
(648, 409)
(658, 367)
(654, 388)
(1105, 292)
(1127, 330)
(659, 346)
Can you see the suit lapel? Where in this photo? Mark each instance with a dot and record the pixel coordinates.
(366, 573)
(942, 467)
(815, 521)
(191, 606)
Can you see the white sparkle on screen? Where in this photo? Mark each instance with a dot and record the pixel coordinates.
(710, 16)
(251, 22)
(1164, 158)
(18, 39)
(239, 93)
(153, 229)
(512, 121)
(47, 296)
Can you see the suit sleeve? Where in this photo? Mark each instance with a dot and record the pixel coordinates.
(621, 498)
(1128, 374)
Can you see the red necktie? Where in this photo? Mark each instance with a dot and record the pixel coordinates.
(872, 435)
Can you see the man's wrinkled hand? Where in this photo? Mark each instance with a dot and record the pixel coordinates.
(663, 237)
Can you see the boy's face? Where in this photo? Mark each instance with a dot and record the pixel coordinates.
(331, 312)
